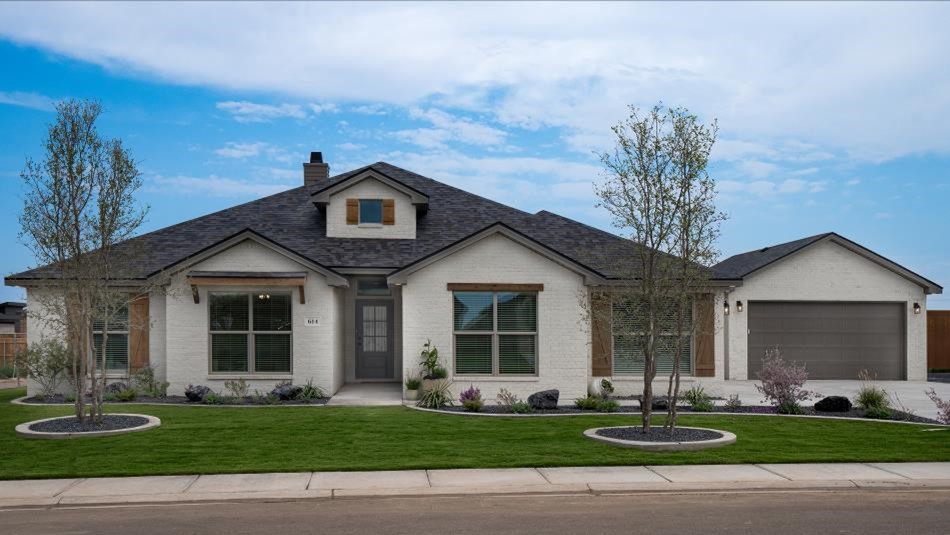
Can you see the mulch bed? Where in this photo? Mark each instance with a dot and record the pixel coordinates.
(110, 422)
(181, 400)
(658, 434)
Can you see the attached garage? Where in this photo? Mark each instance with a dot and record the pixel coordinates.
(834, 340)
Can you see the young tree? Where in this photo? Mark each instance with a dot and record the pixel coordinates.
(660, 197)
(79, 205)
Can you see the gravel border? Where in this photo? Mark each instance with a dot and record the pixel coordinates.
(24, 429)
(723, 438)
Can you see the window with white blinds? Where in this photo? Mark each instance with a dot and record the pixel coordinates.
(250, 332)
(628, 329)
(496, 333)
(116, 334)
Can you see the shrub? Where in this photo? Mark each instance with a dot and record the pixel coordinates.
(471, 399)
(129, 394)
(521, 407)
(436, 397)
(878, 413)
(782, 382)
(7, 372)
(46, 362)
(196, 393)
(310, 391)
(870, 396)
(144, 380)
(212, 399)
(943, 407)
(439, 373)
(698, 399)
(506, 399)
(733, 402)
(608, 405)
(70, 397)
(412, 382)
(789, 408)
(430, 359)
(237, 388)
(108, 396)
(588, 403)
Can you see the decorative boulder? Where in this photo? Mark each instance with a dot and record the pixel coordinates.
(115, 388)
(196, 394)
(833, 404)
(545, 399)
(286, 391)
(658, 404)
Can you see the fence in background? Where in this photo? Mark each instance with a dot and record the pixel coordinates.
(938, 339)
(9, 345)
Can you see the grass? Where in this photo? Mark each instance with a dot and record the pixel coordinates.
(267, 439)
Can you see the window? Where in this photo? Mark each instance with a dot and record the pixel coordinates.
(496, 333)
(372, 286)
(371, 212)
(250, 332)
(628, 359)
(117, 341)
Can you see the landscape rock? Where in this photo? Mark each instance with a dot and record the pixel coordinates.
(544, 400)
(833, 404)
(115, 388)
(196, 394)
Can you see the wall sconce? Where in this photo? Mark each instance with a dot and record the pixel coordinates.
(262, 297)
(739, 306)
(916, 308)
(725, 307)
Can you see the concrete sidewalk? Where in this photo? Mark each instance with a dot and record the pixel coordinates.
(579, 480)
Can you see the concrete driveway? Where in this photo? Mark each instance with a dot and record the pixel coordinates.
(910, 394)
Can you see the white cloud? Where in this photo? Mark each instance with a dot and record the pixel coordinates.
(569, 66)
(854, 182)
(215, 186)
(327, 107)
(883, 215)
(370, 109)
(447, 127)
(757, 169)
(350, 146)
(35, 101)
(252, 112)
(241, 151)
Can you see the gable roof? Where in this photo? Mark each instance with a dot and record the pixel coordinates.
(290, 220)
(416, 197)
(742, 265)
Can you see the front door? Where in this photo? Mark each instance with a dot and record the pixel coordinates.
(374, 339)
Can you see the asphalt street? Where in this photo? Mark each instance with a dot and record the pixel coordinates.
(794, 512)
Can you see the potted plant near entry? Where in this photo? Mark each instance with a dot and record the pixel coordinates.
(430, 365)
(413, 383)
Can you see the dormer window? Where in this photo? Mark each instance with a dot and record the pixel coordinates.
(371, 212)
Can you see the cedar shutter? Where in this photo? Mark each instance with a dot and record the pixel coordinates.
(138, 333)
(705, 356)
(389, 212)
(352, 211)
(601, 334)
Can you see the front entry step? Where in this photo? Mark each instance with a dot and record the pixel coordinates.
(367, 395)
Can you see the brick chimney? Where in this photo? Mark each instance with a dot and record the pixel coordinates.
(315, 172)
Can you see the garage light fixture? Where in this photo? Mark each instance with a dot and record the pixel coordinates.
(725, 307)
(739, 306)
(916, 308)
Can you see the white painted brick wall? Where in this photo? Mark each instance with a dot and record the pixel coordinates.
(316, 350)
(826, 272)
(405, 227)
(563, 351)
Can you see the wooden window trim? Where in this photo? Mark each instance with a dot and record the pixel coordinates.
(493, 287)
(250, 334)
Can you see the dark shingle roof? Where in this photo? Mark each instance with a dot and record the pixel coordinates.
(290, 219)
(740, 265)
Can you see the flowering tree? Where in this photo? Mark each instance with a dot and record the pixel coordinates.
(783, 382)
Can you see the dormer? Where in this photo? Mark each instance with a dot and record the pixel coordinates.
(371, 204)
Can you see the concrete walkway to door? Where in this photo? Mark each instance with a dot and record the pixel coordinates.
(367, 394)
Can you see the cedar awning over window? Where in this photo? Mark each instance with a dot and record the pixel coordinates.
(247, 278)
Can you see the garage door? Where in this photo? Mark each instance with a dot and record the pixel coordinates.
(833, 340)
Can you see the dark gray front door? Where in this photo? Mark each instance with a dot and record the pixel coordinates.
(374, 339)
(833, 340)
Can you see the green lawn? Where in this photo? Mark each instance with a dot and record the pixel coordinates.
(272, 439)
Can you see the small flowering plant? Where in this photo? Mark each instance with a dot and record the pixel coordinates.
(943, 406)
(471, 399)
(783, 382)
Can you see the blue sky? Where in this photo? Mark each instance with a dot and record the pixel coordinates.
(832, 117)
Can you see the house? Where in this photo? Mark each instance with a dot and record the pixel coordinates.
(12, 318)
(345, 278)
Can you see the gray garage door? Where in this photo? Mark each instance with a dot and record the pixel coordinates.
(833, 340)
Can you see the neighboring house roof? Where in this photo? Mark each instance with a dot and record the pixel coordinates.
(290, 220)
(742, 265)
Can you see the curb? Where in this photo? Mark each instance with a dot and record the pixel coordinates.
(590, 489)
(726, 439)
(23, 430)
